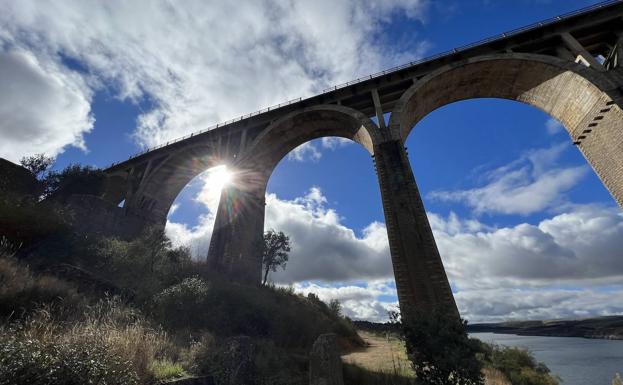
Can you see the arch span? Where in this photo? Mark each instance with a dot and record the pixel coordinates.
(584, 100)
(161, 181)
(299, 127)
(240, 218)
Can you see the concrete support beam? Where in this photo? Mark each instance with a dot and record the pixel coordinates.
(563, 53)
(421, 280)
(235, 247)
(377, 108)
(581, 53)
(619, 52)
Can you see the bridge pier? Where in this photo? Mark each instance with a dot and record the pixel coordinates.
(235, 247)
(421, 280)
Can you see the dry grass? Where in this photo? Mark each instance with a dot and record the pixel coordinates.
(495, 377)
(119, 330)
(387, 354)
(384, 354)
(21, 291)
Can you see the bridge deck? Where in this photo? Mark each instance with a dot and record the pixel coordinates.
(596, 28)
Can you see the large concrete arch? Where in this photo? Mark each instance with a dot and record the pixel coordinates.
(296, 128)
(585, 100)
(163, 180)
(239, 223)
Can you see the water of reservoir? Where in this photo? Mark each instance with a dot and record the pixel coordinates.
(577, 361)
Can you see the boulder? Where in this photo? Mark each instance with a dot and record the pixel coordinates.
(325, 364)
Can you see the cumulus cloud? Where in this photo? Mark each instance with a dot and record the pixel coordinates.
(322, 247)
(196, 64)
(530, 184)
(361, 301)
(503, 304)
(568, 265)
(580, 247)
(44, 106)
(305, 152)
(312, 151)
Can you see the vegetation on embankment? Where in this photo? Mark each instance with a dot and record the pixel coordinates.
(53, 332)
(386, 361)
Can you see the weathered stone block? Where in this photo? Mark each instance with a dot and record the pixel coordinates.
(325, 364)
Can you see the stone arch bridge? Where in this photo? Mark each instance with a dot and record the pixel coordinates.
(570, 67)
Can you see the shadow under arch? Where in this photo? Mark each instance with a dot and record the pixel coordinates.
(581, 98)
(239, 222)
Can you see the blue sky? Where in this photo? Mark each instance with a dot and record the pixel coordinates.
(525, 228)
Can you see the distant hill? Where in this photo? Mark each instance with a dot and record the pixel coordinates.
(610, 327)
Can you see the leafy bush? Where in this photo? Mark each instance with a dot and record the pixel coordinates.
(174, 303)
(440, 350)
(518, 365)
(226, 309)
(73, 179)
(271, 365)
(145, 265)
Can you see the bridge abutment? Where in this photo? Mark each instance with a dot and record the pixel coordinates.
(421, 280)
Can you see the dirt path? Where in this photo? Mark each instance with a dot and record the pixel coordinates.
(388, 355)
(383, 354)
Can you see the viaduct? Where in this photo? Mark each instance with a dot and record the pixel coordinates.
(570, 66)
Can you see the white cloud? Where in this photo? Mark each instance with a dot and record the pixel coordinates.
(568, 265)
(553, 126)
(305, 152)
(311, 151)
(44, 107)
(580, 247)
(198, 64)
(358, 301)
(322, 247)
(530, 184)
(333, 142)
(503, 304)
(197, 238)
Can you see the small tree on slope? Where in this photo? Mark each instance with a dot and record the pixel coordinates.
(275, 252)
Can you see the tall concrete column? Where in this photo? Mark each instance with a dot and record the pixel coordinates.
(235, 247)
(421, 280)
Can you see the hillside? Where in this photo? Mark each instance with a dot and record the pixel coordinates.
(610, 327)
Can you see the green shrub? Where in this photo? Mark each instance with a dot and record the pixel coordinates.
(440, 350)
(145, 265)
(174, 303)
(518, 365)
(166, 369)
(271, 365)
(225, 309)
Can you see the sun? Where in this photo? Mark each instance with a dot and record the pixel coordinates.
(220, 177)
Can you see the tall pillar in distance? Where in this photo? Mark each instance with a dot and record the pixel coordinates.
(421, 280)
(235, 248)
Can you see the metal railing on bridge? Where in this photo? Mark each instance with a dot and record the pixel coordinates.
(390, 70)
